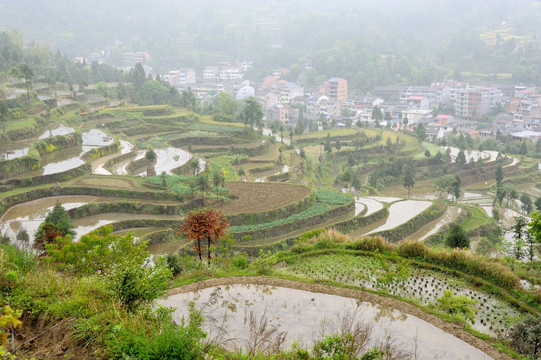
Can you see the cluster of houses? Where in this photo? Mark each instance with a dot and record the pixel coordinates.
(515, 110)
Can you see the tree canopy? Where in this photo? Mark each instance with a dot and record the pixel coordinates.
(456, 237)
(204, 224)
(251, 112)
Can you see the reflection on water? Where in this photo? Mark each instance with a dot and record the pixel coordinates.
(433, 227)
(302, 314)
(60, 130)
(31, 214)
(168, 159)
(402, 212)
(95, 137)
(7, 153)
(371, 205)
(70, 158)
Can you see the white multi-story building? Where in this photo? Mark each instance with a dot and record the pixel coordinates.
(181, 77)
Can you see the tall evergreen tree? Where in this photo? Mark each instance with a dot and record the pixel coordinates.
(409, 179)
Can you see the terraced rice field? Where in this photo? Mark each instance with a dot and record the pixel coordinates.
(260, 197)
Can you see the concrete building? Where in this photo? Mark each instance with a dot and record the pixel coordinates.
(337, 89)
(181, 77)
(474, 102)
(137, 57)
(244, 92)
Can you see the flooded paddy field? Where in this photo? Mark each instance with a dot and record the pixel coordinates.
(400, 213)
(450, 214)
(422, 286)
(305, 315)
(30, 215)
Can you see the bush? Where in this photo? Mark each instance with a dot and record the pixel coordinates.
(174, 263)
(136, 284)
(239, 262)
(526, 337)
(456, 237)
(162, 341)
(458, 306)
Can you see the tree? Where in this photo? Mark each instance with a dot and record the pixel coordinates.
(420, 132)
(188, 99)
(194, 166)
(225, 103)
(60, 218)
(103, 89)
(153, 92)
(27, 73)
(523, 149)
(337, 145)
(537, 148)
(3, 114)
(444, 183)
(251, 113)
(525, 337)
(461, 158)
(538, 203)
(47, 234)
(499, 175)
(241, 173)
(299, 128)
(204, 224)
(377, 115)
(456, 237)
(530, 240)
(409, 179)
(526, 203)
(203, 184)
(138, 77)
(496, 215)
(121, 92)
(122, 260)
(534, 226)
(327, 147)
(519, 234)
(150, 155)
(455, 189)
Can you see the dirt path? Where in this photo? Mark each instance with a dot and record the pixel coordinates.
(451, 328)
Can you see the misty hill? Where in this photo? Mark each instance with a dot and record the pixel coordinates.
(391, 42)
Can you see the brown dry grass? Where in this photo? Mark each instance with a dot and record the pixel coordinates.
(260, 197)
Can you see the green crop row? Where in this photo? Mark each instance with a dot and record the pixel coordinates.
(317, 209)
(332, 197)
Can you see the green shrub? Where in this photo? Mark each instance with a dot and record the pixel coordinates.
(136, 284)
(526, 336)
(174, 263)
(240, 262)
(181, 189)
(459, 306)
(332, 197)
(162, 341)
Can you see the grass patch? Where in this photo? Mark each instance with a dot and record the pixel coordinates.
(323, 134)
(430, 147)
(477, 217)
(208, 120)
(20, 123)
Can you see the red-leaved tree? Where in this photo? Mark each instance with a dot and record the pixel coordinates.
(203, 224)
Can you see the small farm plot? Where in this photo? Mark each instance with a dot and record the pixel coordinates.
(261, 197)
(492, 315)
